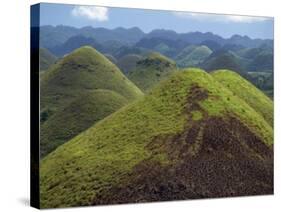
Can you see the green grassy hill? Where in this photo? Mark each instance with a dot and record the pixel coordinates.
(193, 55)
(225, 60)
(246, 91)
(189, 138)
(128, 62)
(77, 116)
(46, 59)
(78, 74)
(151, 70)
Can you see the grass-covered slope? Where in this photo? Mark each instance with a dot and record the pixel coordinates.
(224, 59)
(246, 91)
(46, 59)
(193, 55)
(77, 116)
(190, 137)
(151, 70)
(83, 82)
(83, 70)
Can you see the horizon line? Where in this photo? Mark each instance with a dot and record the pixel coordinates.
(158, 29)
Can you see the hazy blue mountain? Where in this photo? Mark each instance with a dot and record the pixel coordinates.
(213, 45)
(262, 62)
(237, 52)
(163, 33)
(51, 36)
(112, 46)
(75, 42)
(125, 50)
(167, 47)
(248, 42)
(191, 37)
(232, 47)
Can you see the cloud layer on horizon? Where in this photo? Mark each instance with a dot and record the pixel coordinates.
(220, 18)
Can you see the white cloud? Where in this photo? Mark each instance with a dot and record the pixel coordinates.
(245, 19)
(219, 18)
(91, 12)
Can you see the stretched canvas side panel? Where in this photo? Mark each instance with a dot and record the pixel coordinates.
(34, 85)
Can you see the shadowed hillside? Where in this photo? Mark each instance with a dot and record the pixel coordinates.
(189, 138)
(46, 59)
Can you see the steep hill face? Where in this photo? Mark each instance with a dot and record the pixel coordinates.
(189, 138)
(46, 59)
(151, 70)
(246, 91)
(79, 74)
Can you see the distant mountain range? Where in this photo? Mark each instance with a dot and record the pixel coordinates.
(52, 36)
(206, 50)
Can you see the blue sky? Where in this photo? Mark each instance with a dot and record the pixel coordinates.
(147, 20)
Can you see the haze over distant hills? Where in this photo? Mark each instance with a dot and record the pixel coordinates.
(192, 49)
(60, 34)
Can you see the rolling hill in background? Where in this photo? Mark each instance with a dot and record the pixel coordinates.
(224, 59)
(128, 62)
(239, 53)
(46, 59)
(191, 137)
(75, 42)
(192, 56)
(52, 36)
(168, 42)
(150, 70)
(79, 90)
